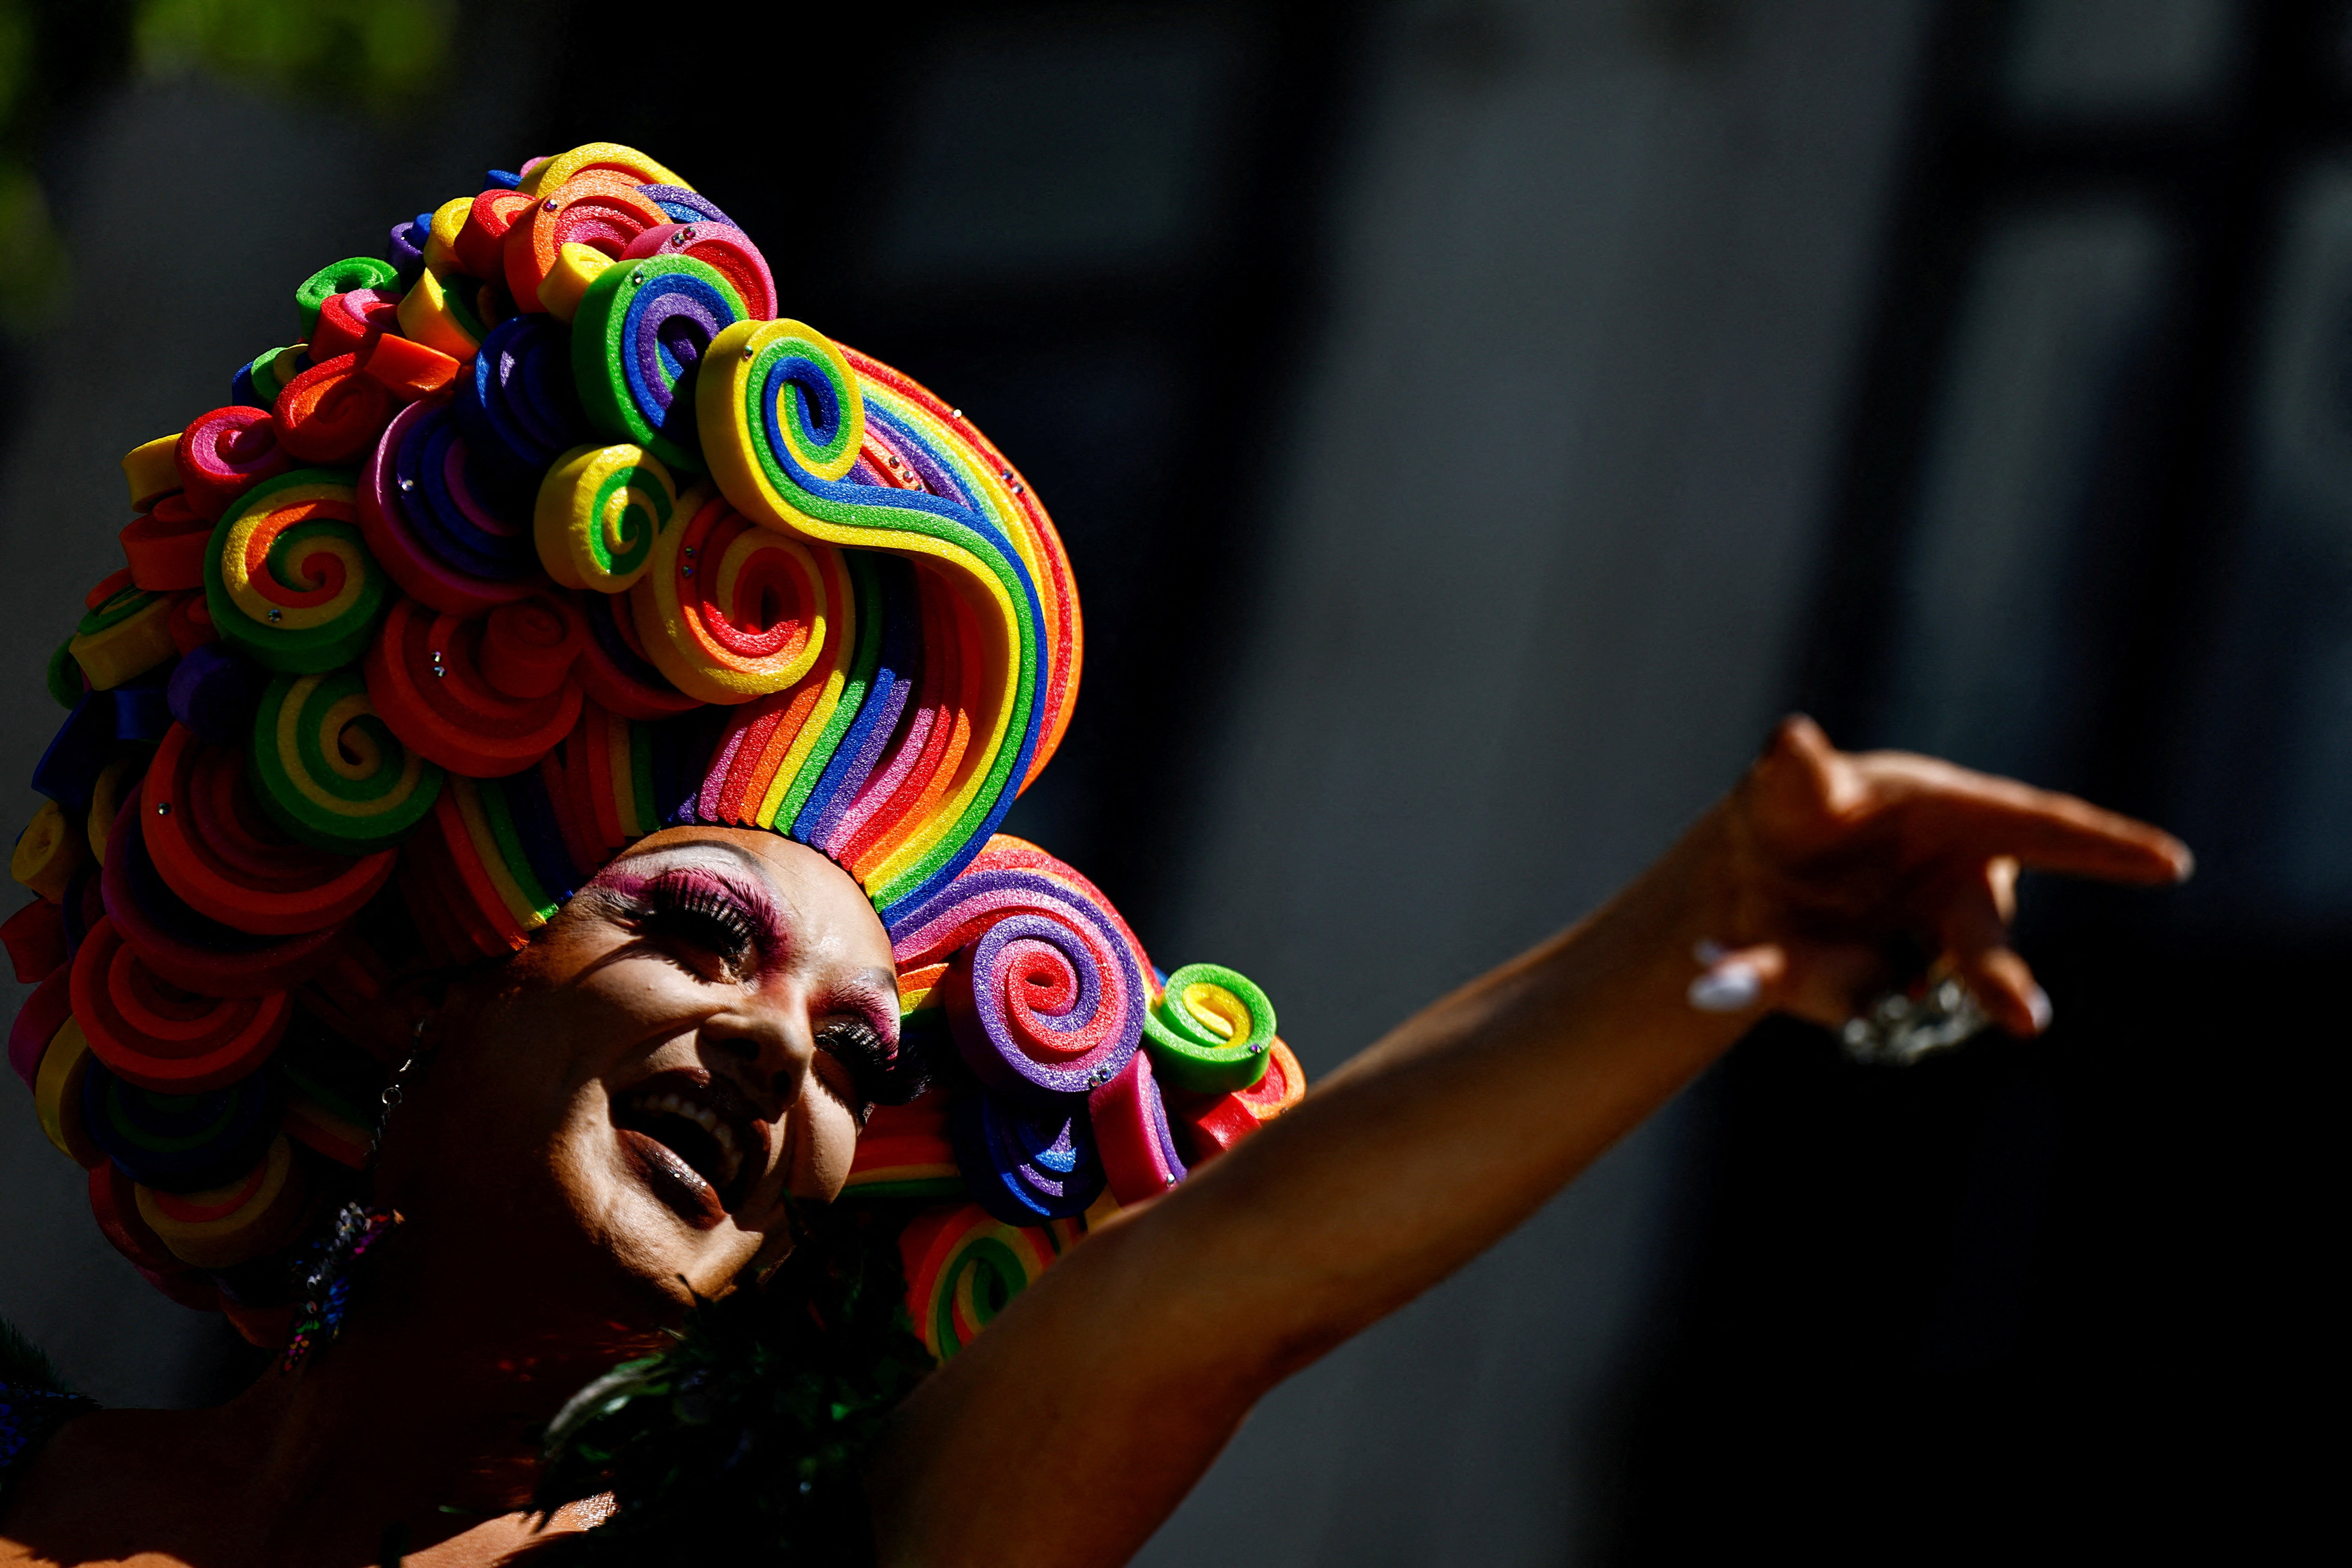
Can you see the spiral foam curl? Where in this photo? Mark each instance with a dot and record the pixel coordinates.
(551, 533)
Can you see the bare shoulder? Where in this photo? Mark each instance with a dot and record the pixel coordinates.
(158, 1489)
(107, 1488)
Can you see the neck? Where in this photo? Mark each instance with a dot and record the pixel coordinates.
(425, 1413)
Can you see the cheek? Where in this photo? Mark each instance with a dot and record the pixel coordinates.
(822, 1157)
(549, 1040)
(515, 1111)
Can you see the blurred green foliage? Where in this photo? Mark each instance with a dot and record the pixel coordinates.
(383, 54)
(378, 54)
(32, 262)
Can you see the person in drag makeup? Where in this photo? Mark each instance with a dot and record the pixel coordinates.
(519, 925)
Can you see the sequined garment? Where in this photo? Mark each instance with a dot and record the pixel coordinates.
(28, 1416)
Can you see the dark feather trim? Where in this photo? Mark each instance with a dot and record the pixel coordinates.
(22, 1364)
(747, 1441)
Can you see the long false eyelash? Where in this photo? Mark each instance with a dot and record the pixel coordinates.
(879, 1075)
(703, 916)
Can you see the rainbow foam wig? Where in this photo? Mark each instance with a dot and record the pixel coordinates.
(553, 531)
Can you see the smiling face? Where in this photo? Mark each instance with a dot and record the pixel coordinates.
(620, 1112)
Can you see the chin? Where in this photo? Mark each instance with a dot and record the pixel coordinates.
(660, 1221)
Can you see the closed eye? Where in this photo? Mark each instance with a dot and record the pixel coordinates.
(692, 909)
(859, 1047)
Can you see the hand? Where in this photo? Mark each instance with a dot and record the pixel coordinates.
(1833, 863)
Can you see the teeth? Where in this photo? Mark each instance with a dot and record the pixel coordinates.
(671, 1103)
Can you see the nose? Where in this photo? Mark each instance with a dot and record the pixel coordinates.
(770, 1036)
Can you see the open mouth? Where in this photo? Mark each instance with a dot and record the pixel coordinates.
(700, 1148)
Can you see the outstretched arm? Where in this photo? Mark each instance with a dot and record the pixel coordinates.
(1065, 1434)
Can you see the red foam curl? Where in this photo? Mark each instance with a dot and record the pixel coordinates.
(331, 414)
(165, 546)
(223, 854)
(608, 684)
(528, 647)
(230, 970)
(480, 244)
(727, 251)
(36, 939)
(425, 677)
(350, 323)
(164, 1036)
(226, 453)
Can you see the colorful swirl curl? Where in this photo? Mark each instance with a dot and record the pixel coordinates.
(598, 513)
(641, 333)
(1043, 989)
(1027, 1165)
(1211, 1030)
(452, 504)
(964, 1266)
(727, 251)
(459, 557)
(231, 853)
(517, 406)
(289, 581)
(331, 772)
(784, 416)
(600, 208)
(191, 949)
(730, 611)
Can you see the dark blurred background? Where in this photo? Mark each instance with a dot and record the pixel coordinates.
(1472, 423)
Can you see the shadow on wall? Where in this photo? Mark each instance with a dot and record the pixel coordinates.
(1548, 516)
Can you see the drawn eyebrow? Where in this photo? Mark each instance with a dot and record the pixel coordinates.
(776, 917)
(733, 851)
(877, 989)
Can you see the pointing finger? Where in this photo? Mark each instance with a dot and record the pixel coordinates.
(1939, 804)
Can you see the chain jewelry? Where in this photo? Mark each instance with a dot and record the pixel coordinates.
(359, 1226)
(395, 1088)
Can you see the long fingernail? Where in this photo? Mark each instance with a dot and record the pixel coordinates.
(2187, 865)
(2037, 1002)
(1730, 988)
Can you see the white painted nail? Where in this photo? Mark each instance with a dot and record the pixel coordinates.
(1732, 987)
(2038, 1003)
(1710, 952)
